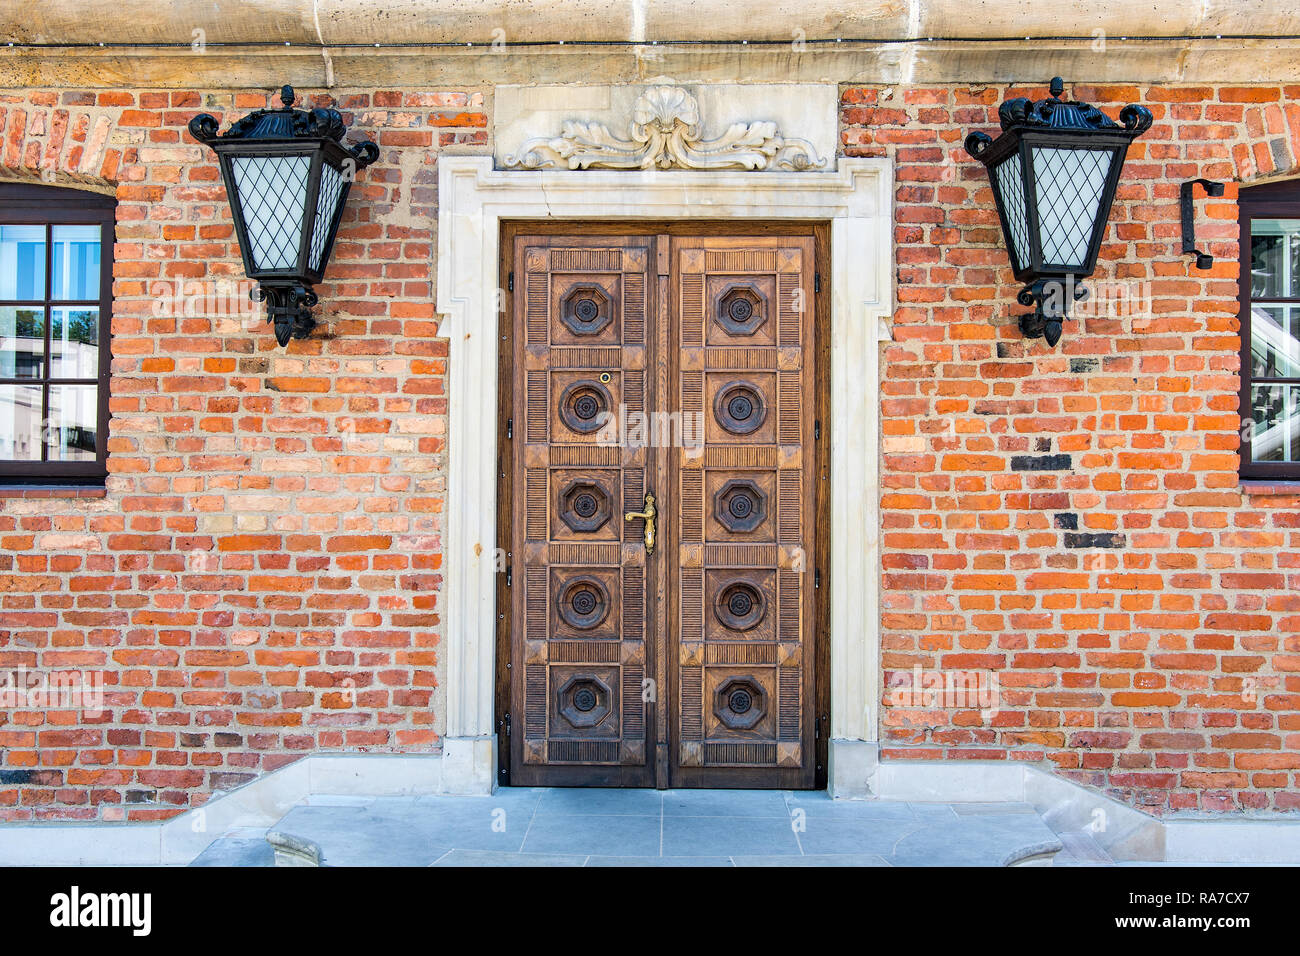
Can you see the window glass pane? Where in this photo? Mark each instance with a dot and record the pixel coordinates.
(71, 426)
(20, 422)
(1275, 410)
(22, 262)
(1275, 258)
(22, 342)
(74, 343)
(1275, 341)
(75, 273)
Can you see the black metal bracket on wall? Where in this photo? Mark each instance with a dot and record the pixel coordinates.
(1203, 259)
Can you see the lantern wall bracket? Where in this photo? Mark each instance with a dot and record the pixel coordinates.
(1203, 259)
(1051, 299)
(288, 309)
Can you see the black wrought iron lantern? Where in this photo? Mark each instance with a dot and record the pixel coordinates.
(1054, 171)
(287, 176)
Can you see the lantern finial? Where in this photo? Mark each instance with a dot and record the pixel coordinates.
(1057, 87)
(287, 96)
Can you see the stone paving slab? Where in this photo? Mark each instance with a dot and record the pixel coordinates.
(607, 827)
(692, 861)
(838, 859)
(237, 851)
(494, 858)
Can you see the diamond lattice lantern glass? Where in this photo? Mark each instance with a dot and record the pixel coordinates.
(1054, 171)
(287, 176)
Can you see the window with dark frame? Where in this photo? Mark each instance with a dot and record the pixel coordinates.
(1270, 330)
(56, 267)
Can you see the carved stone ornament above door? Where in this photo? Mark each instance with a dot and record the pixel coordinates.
(666, 132)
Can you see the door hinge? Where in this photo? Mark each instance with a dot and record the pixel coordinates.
(510, 428)
(817, 281)
(818, 725)
(505, 725)
(510, 282)
(510, 574)
(817, 577)
(817, 429)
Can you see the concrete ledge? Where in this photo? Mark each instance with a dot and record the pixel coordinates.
(259, 804)
(1245, 841)
(1123, 832)
(468, 767)
(56, 844)
(378, 776)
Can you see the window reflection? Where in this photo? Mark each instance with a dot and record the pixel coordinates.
(22, 263)
(20, 422)
(1276, 413)
(1275, 258)
(1274, 340)
(22, 342)
(75, 269)
(70, 430)
(74, 343)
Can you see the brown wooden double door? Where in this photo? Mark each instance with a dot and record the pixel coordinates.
(679, 649)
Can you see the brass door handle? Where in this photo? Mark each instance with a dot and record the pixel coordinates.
(649, 516)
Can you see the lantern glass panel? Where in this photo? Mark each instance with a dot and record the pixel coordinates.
(273, 198)
(1009, 179)
(332, 185)
(1068, 184)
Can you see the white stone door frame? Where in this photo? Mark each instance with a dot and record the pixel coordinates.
(474, 199)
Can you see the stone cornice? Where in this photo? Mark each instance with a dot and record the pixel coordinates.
(1165, 61)
(336, 22)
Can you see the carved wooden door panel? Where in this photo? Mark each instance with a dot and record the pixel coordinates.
(680, 366)
(743, 581)
(579, 648)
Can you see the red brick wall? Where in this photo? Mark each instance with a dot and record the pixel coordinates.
(1071, 519)
(261, 578)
